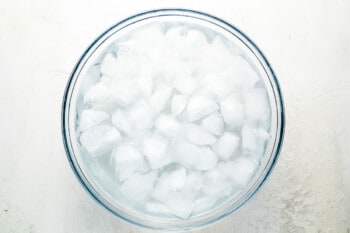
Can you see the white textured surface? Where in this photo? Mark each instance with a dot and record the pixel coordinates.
(308, 44)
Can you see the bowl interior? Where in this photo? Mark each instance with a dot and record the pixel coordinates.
(100, 184)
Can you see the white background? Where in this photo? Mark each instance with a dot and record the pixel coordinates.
(308, 45)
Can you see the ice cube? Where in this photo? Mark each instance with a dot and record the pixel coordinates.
(156, 208)
(253, 140)
(257, 104)
(155, 149)
(149, 33)
(221, 51)
(96, 94)
(195, 37)
(174, 36)
(226, 146)
(124, 91)
(192, 185)
(240, 171)
(135, 57)
(138, 187)
(232, 111)
(130, 64)
(179, 205)
(263, 134)
(90, 117)
(175, 180)
(92, 76)
(214, 123)
(107, 107)
(167, 125)
(121, 120)
(159, 100)
(194, 45)
(199, 107)
(178, 104)
(106, 80)
(127, 160)
(185, 153)
(144, 40)
(245, 75)
(203, 204)
(172, 68)
(99, 139)
(141, 115)
(217, 84)
(109, 65)
(249, 139)
(216, 185)
(207, 160)
(205, 91)
(168, 183)
(174, 41)
(185, 84)
(199, 136)
(145, 85)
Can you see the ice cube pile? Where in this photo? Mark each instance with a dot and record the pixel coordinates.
(179, 114)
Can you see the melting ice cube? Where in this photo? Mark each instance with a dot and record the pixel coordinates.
(192, 185)
(138, 187)
(90, 117)
(185, 153)
(245, 75)
(216, 185)
(96, 94)
(109, 65)
(179, 205)
(257, 104)
(141, 115)
(226, 146)
(199, 107)
(178, 104)
(207, 160)
(254, 140)
(127, 160)
(124, 91)
(239, 171)
(185, 84)
(214, 123)
(156, 208)
(169, 182)
(155, 148)
(99, 139)
(121, 121)
(203, 203)
(199, 136)
(232, 111)
(160, 98)
(168, 125)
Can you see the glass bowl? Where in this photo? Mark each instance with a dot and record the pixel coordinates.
(96, 185)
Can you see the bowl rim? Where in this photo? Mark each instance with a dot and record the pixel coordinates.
(176, 12)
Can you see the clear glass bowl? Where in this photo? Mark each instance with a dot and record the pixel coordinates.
(84, 170)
